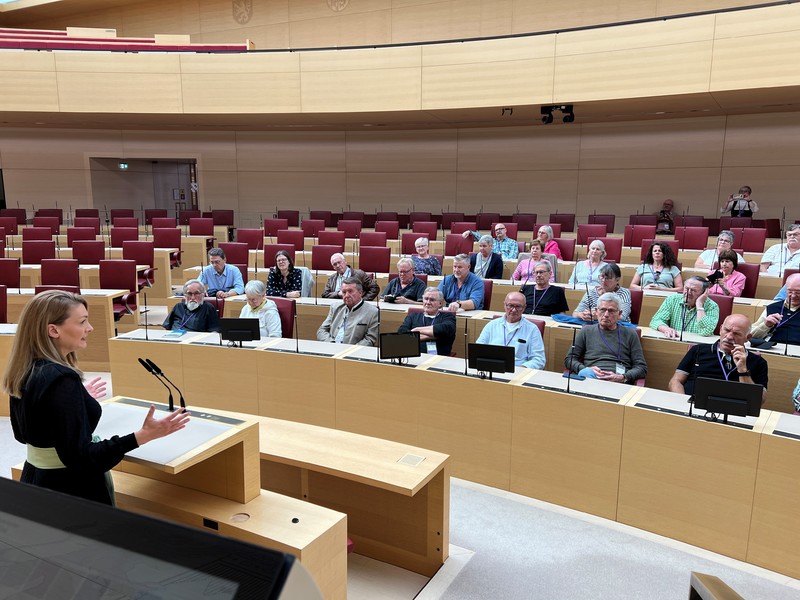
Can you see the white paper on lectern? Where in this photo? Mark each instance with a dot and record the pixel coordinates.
(122, 419)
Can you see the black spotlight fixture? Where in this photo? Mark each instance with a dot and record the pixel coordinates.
(564, 109)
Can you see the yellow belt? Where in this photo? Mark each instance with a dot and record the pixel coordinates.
(44, 458)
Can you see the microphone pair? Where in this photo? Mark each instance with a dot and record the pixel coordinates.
(156, 371)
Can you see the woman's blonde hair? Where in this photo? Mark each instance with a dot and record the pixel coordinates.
(33, 342)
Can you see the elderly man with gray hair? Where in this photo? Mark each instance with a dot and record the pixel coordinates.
(351, 321)
(193, 314)
(260, 307)
(606, 350)
(437, 328)
(405, 288)
(485, 263)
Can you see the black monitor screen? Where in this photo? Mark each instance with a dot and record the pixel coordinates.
(239, 330)
(728, 397)
(400, 345)
(489, 358)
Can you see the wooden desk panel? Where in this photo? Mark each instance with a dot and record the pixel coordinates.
(131, 379)
(221, 377)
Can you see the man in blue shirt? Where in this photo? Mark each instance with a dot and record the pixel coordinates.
(515, 332)
(502, 245)
(462, 290)
(221, 279)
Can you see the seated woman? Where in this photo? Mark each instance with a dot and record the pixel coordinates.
(659, 271)
(708, 257)
(259, 307)
(732, 281)
(545, 236)
(588, 271)
(424, 263)
(284, 280)
(524, 270)
(609, 282)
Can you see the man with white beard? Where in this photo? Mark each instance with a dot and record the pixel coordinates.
(193, 314)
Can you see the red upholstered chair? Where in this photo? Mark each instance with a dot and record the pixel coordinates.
(291, 216)
(634, 234)
(731, 222)
(294, 237)
(270, 250)
(608, 220)
(647, 243)
(18, 213)
(93, 213)
(429, 229)
(692, 238)
(9, 272)
(58, 213)
(38, 289)
(287, 308)
(51, 223)
(487, 294)
(440, 258)
(643, 219)
(321, 257)
(448, 218)
(419, 216)
(454, 244)
(689, 221)
(408, 242)
(312, 227)
(332, 238)
(123, 234)
(125, 222)
(725, 308)
(372, 238)
(93, 222)
(163, 222)
(2, 243)
(273, 226)
(218, 303)
(254, 238)
(185, 217)
(462, 226)
(423, 277)
(3, 304)
(121, 212)
(60, 271)
(142, 253)
(353, 215)
(350, 227)
(203, 226)
(223, 217)
(89, 252)
(169, 237)
(512, 230)
(376, 259)
(388, 215)
(236, 252)
(390, 228)
(243, 269)
(567, 247)
(37, 233)
(80, 233)
(538, 322)
(120, 275)
(773, 227)
(587, 231)
(787, 273)
(154, 213)
(753, 240)
(483, 221)
(525, 221)
(34, 251)
(322, 215)
(637, 296)
(10, 225)
(613, 248)
(566, 220)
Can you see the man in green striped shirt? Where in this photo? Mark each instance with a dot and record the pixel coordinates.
(690, 311)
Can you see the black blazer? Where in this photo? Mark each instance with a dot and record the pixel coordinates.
(494, 270)
(444, 328)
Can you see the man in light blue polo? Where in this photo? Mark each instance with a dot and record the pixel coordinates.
(462, 290)
(222, 280)
(515, 332)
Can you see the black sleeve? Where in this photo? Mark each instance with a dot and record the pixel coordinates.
(446, 328)
(759, 372)
(690, 358)
(496, 271)
(169, 321)
(213, 318)
(406, 325)
(562, 302)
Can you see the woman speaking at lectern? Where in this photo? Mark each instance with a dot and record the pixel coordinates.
(54, 413)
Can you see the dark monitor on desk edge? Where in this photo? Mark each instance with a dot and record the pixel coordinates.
(232, 329)
(728, 397)
(399, 345)
(489, 358)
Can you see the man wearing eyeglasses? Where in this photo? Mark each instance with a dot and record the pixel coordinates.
(605, 350)
(779, 322)
(780, 257)
(541, 297)
(193, 314)
(437, 328)
(514, 331)
(691, 311)
(502, 244)
(405, 288)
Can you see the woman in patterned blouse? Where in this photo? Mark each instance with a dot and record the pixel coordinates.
(424, 263)
(284, 280)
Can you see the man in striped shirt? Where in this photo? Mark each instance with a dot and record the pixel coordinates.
(502, 245)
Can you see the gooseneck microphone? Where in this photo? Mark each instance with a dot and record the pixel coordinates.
(296, 334)
(378, 306)
(683, 315)
(572, 375)
(150, 370)
(466, 346)
(160, 373)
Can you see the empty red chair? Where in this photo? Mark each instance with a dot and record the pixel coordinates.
(692, 238)
(223, 217)
(634, 234)
(332, 238)
(688, 221)
(80, 233)
(525, 221)
(389, 216)
(566, 220)
(375, 259)
(753, 240)
(567, 247)
(142, 253)
(52, 223)
(34, 251)
(58, 213)
(487, 293)
(236, 252)
(89, 252)
(417, 216)
(17, 213)
(125, 222)
(294, 237)
(272, 226)
(9, 272)
(254, 238)
(163, 222)
(38, 289)
(291, 216)
(321, 257)
(37, 233)
(608, 220)
(270, 250)
(643, 220)
(93, 222)
(462, 226)
(60, 271)
(586, 231)
(169, 237)
(732, 222)
(322, 215)
(120, 275)
(448, 218)
(312, 227)
(350, 227)
(428, 229)
(10, 225)
(725, 308)
(637, 296)
(390, 228)
(154, 213)
(3, 304)
(203, 226)
(484, 221)
(353, 215)
(123, 234)
(92, 213)
(185, 216)
(121, 212)
(455, 243)
(286, 311)
(372, 238)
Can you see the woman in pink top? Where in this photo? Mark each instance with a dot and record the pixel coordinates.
(525, 268)
(732, 281)
(546, 237)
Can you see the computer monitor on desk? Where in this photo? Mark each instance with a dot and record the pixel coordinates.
(239, 330)
(728, 397)
(488, 358)
(399, 346)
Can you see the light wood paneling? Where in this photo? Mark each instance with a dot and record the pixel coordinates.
(539, 15)
(147, 18)
(342, 29)
(542, 192)
(435, 20)
(762, 140)
(241, 93)
(157, 92)
(402, 151)
(519, 149)
(757, 22)
(56, 149)
(29, 81)
(361, 90)
(774, 188)
(366, 190)
(219, 189)
(215, 151)
(44, 187)
(754, 61)
(235, 64)
(303, 10)
(259, 190)
(291, 151)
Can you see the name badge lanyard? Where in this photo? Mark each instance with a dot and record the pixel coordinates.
(725, 373)
(535, 303)
(656, 274)
(618, 353)
(186, 318)
(787, 319)
(510, 338)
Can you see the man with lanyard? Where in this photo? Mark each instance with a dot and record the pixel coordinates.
(779, 321)
(605, 350)
(783, 256)
(342, 271)
(437, 329)
(221, 279)
(485, 263)
(542, 298)
(726, 359)
(690, 311)
(351, 321)
(406, 288)
(462, 290)
(193, 314)
(502, 245)
(516, 332)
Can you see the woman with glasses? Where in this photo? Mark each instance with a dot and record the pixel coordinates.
(609, 282)
(708, 257)
(424, 263)
(659, 271)
(284, 280)
(731, 283)
(524, 271)
(545, 236)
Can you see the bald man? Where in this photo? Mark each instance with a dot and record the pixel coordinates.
(514, 331)
(726, 359)
(779, 322)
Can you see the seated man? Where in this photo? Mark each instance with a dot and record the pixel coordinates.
(333, 288)
(607, 351)
(513, 330)
(221, 279)
(783, 256)
(779, 321)
(193, 314)
(690, 311)
(259, 307)
(352, 321)
(405, 288)
(437, 328)
(462, 290)
(485, 263)
(541, 298)
(502, 245)
(726, 359)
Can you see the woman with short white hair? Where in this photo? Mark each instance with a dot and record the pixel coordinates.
(259, 307)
